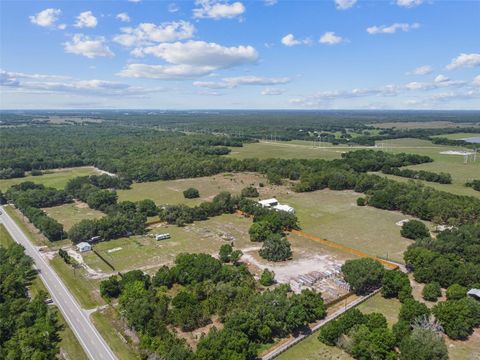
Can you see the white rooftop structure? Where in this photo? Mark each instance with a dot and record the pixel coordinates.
(268, 202)
(286, 208)
(84, 246)
(475, 293)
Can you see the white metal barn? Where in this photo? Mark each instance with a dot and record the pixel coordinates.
(84, 247)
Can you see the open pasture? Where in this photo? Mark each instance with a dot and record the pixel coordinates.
(335, 216)
(452, 164)
(171, 192)
(71, 214)
(52, 178)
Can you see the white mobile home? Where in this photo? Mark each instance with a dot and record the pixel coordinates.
(162, 236)
(84, 247)
(268, 202)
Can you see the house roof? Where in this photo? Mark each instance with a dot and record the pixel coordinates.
(83, 244)
(268, 201)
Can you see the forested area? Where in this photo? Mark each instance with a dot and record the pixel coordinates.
(206, 288)
(29, 198)
(29, 329)
(452, 258)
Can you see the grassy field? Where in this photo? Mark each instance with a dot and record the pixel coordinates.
(312, 349)
(71, 214)
(107, 323)
(55, 178)
(296, 149)
(171, 192)
(452, 164)
(458, 136)
(335, 216)
(5, 238)
(85, 290)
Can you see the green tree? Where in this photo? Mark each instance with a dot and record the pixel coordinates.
(458, 317)
(432, 291)
(412, 309)
(423, 344)
(267, 278)
(110, 288)
(363, 275)
(396, 284)
(414, 229)
(191, 193)
(225, 253)
(361, 201)
(260, 231)
(276, 248)
(250, 191)
(163, 277)
(147, 207)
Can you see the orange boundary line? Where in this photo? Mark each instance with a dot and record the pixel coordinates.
(337, 246)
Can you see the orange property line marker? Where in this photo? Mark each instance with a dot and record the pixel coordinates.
(335, 245)
(343, 248)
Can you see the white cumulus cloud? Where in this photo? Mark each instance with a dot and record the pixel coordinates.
(190, 59)
(441, 78)
(86, 19)
(476, 80)
(233, 82)
(46, 18)
(148, 34)
(88, 47)
(344, 4)
(392, 29)
(422, 70)
(215, 9)
(409, 3)
(290, 40)
(330, 38)
(123, 17)
(272, 92)
(464, 60)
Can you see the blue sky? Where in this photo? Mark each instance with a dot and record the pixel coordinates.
(210, 54)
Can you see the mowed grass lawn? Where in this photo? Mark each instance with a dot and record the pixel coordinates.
(452, 164)
(295, 149)
(5, 238)
(171, 192)
(55, 178)
(335, 216)
(71, 214)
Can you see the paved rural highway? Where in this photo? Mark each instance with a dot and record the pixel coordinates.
(92, 342)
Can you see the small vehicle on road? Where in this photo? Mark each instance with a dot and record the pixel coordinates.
(49, 301)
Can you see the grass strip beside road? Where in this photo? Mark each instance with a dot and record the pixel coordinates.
(23, 226)
(5, 238)
(107, 322)
(83, 289)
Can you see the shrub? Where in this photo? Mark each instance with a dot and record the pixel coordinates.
(361, 201)
(249, 191)
(432, 291)
(456, 292)
(414, 229)
(110, 288)
(191, 193)
(267, 278)
(423, 344)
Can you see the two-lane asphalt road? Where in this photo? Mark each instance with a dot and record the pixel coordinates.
(92, 342)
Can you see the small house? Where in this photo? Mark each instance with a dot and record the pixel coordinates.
(84, 247)
(162, 236)
(268, 202)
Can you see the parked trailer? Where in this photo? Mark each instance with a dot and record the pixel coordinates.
(162, 236)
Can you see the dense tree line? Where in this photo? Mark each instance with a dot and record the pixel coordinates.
(29, 198)
(207, 287)
(123, 219)
(29, 329)
(372, 160)
(452, 258)
(441, 178)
